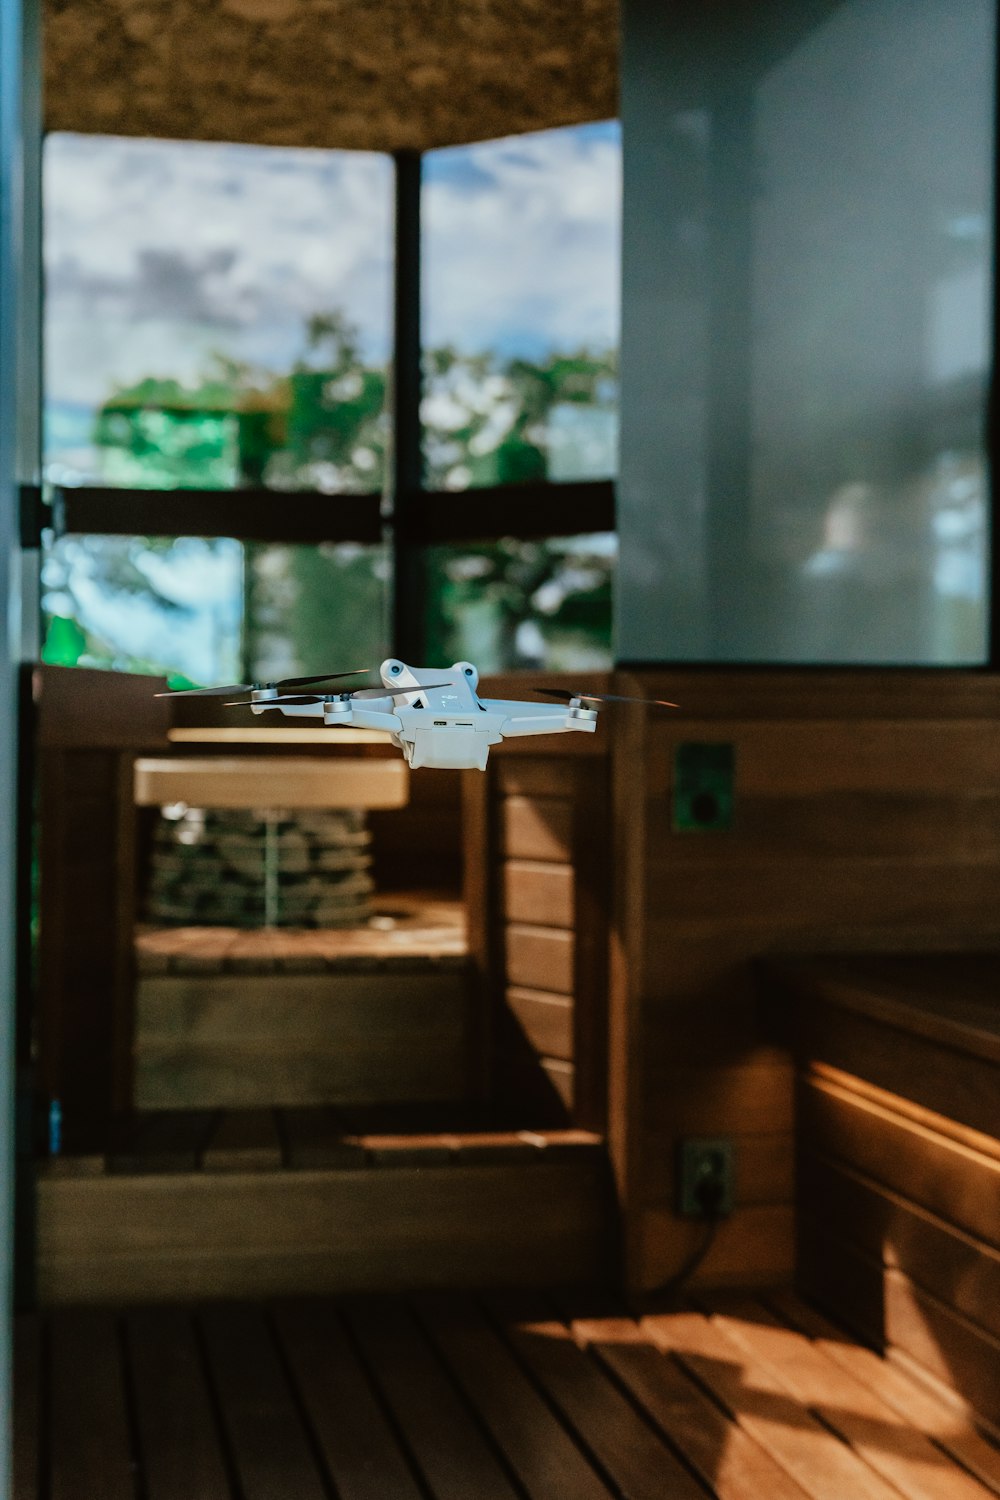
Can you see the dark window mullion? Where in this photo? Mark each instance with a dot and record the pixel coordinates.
(406, 472)
(253, 515)
(527, 512)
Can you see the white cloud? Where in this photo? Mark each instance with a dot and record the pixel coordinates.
(158, 252)
(522, 242)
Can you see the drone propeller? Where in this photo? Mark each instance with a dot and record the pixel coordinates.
(246, 687)
(553, 692)
(297, 700)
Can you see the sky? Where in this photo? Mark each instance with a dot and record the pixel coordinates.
(521, 249)
(159, 253)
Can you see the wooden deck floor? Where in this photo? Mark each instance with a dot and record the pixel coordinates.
(448, 1397)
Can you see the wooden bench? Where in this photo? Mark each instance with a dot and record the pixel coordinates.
(898, 1145)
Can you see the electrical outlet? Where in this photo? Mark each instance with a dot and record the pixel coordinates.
(705, 1172)
(703, 788)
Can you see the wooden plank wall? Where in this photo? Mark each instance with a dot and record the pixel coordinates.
(419, 846)
(538, 836)
(552, 818)
(867, 817)
(89, 726)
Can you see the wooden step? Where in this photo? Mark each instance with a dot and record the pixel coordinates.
(320, 1209)
(248, 1040)
(231, 1018)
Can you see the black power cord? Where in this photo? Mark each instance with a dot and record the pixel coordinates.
(710, 1195)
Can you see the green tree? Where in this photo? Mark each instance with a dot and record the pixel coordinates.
(323, 427)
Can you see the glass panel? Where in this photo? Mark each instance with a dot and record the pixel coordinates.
(139, 604)
(808, 341)
(210, 611)
(515, 604)
(315, 609)
(215, 314)
(520, 298)
(871, 292)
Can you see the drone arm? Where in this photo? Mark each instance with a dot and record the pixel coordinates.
(369, 718)
(297, 711)
(552, 722)
(514, 709)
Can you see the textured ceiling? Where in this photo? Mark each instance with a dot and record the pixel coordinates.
(369, 74)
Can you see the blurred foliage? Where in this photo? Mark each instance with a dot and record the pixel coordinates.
(323, 427)
(68, 644)
(515, 604)
(314, 609)
(488, 421)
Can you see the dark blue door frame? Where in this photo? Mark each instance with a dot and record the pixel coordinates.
(20, 274)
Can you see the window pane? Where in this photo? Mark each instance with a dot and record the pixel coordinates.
(809, 249)
(215, 314)
(315, 609)
(142, 604)
(520, 299)
(515, 604)
(213, 610)
(871, 290)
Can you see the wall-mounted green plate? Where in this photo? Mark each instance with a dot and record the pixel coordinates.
(702, 800)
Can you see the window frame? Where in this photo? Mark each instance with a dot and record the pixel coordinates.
(406, 518)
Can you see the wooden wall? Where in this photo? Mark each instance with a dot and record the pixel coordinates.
(538, 841)
(419, 846)
(90, 725)
(898, 1175)
(867, 817)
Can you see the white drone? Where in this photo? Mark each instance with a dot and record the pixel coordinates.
(433, 715)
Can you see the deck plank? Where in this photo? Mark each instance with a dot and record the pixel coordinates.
(910, 1399)
(537, 1447)
(270, 1450)
(633, 1457)
(817, 1460)
(896, 1450)
(456, 1396)
(178, 1439)
(354, 1434)
(727, 1459)
(454, 1457)
(90, 1452)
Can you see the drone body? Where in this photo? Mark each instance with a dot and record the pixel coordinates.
(433, 715)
